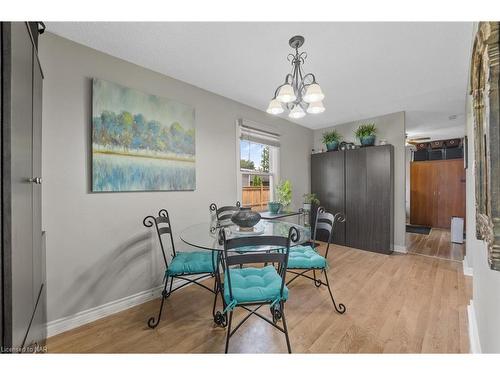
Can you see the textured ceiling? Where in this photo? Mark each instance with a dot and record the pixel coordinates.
(365, 69)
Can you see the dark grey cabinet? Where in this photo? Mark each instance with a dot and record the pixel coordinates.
(327, 173)
(359, 183)
(23, 261)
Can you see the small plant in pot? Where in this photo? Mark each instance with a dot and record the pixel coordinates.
(366, 134)
(310, 199)
(283, 197)
(331, 140)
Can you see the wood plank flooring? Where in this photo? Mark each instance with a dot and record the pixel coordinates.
(436, 244)
(395, 304)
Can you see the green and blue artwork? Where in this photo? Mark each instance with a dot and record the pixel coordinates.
(140, 142)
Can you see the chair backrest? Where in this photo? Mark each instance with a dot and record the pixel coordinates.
(163, 227)
(278, 255)
(223, 214)
(325, 221)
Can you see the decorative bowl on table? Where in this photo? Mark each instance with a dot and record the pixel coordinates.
(274, 207)
(245, 218)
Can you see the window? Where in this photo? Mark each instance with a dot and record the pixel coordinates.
(258, 167)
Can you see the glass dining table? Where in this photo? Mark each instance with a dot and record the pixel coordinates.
(206, 236)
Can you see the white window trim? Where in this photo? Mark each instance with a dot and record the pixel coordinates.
(274, 158)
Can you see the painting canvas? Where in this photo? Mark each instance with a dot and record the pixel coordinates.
(140, 142)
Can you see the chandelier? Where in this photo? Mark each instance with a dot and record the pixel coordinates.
(300, 93)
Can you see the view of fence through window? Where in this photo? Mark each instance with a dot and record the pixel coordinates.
(256, 174)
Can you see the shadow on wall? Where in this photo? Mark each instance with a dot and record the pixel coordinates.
(94, 284)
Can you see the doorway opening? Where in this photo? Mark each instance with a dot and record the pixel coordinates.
(435, 223)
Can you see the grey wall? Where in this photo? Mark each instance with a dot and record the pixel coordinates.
(485, 282)
(390, 127)
(97, 249)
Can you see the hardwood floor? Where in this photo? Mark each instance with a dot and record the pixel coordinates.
(395, 304)
(437, 244)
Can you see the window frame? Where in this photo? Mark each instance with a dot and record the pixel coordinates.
(274, 159)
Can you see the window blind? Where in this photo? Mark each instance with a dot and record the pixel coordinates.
(252, 134)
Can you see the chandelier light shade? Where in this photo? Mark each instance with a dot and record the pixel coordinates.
(313, 93)
(286, 94)
(275, 107)
(297, 112)
(300, 93)
(315, 108)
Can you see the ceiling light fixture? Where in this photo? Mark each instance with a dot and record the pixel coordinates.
(300, 93)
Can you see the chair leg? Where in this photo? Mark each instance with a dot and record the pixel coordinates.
(317, 282)
(341, 307)
(152, 323)
(282, 306)
(216, 292)
(228, 331)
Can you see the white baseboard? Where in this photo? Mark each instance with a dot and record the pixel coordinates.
(474, 343)
(400, 249)
(73, 321)
(468, 271)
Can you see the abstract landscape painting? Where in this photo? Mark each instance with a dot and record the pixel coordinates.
(140, 142)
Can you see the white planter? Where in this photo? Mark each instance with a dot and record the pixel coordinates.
(307, 207)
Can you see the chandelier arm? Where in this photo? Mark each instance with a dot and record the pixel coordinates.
(312, 76)
(297, 79)
(303, 83)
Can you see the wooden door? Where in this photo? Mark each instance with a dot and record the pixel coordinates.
(423, 209)
(327, 182)
(450, 191)
(437, 192)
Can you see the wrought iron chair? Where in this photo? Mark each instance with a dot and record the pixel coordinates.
(305, 258)
(182, 264)
(253, 286)
(223, 214)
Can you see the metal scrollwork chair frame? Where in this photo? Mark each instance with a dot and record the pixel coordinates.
(278, 257)
(325, 221)
(486, 116)
(163, 227)
(223, 214)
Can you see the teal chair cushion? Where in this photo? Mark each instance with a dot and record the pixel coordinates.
(254, 285)
(305, 257)
(185, 263)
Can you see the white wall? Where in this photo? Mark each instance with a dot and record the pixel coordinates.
(97, 248)
(390, 127)
(485, 282)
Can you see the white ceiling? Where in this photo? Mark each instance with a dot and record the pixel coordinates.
(365, 69)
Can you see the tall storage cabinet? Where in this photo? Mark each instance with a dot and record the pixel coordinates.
(327, 173)
(362, 186)
(23, 261)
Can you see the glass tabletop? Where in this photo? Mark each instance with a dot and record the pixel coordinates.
(204, 237)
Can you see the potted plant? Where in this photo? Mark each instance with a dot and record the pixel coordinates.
(310, 199)
(283, 197)
(366, 134)
(331, 139)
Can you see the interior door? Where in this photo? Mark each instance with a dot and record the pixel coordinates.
(423, 192)
(21, 188)
(450, 191)
(37, 329)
